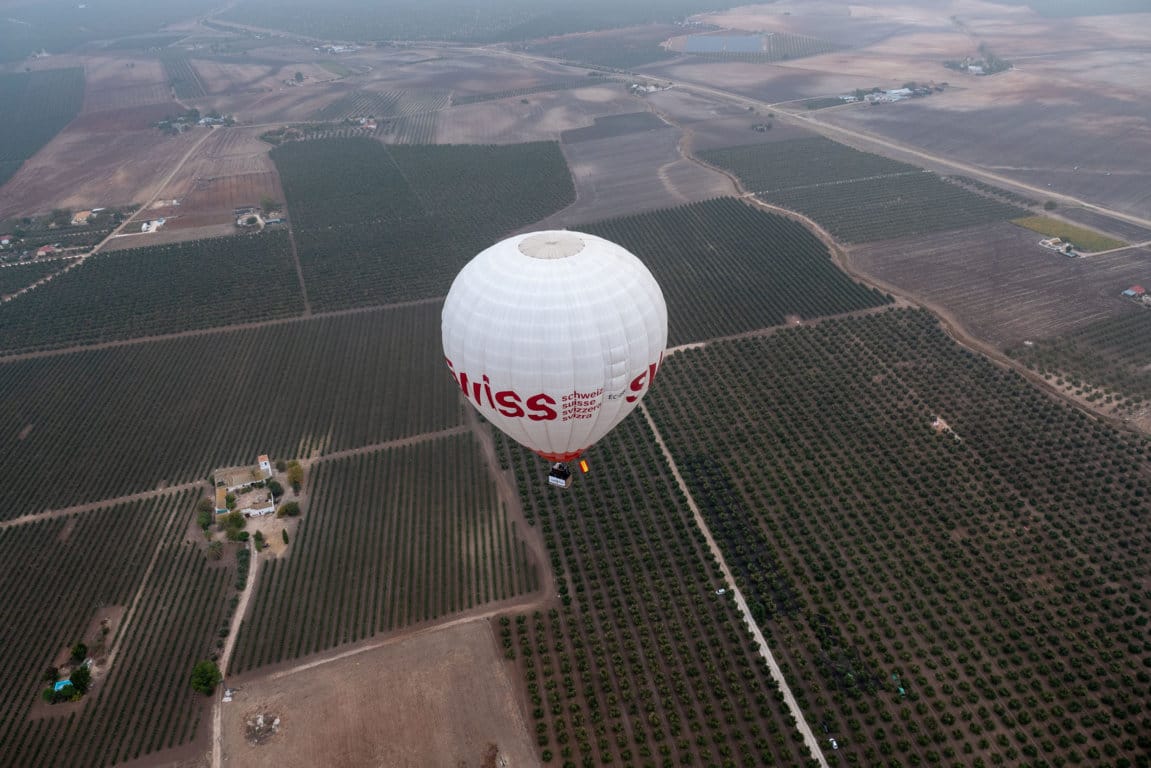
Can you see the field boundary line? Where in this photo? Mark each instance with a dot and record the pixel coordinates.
(299, 270)
(92, 506)
(18, 356)
(130, 614)
(764, 649)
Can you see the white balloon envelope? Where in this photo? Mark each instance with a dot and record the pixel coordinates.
(554, 337)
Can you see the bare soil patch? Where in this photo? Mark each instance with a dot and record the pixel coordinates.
(102, 159)
(631, 174)
(545, 116)
(440, 697)
(117, 82)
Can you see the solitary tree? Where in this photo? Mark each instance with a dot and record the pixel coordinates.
(79, 652)
(81, 679)
(205, 677)
(299, 77)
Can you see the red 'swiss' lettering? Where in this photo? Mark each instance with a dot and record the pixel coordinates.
(509, 403)
(645, 379)
(542, 406)
(538, 405)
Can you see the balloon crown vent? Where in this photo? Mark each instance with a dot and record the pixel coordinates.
(551, 245)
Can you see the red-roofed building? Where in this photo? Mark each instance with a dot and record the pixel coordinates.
(46, 250)
(1135, 291)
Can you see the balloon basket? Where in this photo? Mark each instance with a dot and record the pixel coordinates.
(560, 476)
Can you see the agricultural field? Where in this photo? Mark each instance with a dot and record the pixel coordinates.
(950, 564)
(182, 75)
(857, 196)
(556, 85)
(168, 412)
(380, 104)
(111, 158)
(157, 290)
(1107, 362)
(612, 126)
(411, 129)
(391, 539)
(37, 106)
(1001, 285)
(867, 210)
(455, 20)
(727, 268)
(780, 46)
(124, 81)
(633, 173)
(782, 165)
(230, 170)
(16, 277)
(377, 225)
(642, 663)
(621, 49)
(127, 564)
(1084, 239)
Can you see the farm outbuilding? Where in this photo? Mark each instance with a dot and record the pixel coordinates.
(1134, 291)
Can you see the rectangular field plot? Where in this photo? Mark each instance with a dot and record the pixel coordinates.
(641, 643)
(378, 225)
(727, 268)
(62, 578)
(857, 196)
(389, 539)
(1008, 289)
(885, 208)
(800, 162)
(157, 290)
(169, 412)
(37, 105)
(907, 520)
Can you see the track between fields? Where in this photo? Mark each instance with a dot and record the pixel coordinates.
(90, 506)
(214, 329)
(801, 724)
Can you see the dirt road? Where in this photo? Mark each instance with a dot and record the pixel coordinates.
(801, 724)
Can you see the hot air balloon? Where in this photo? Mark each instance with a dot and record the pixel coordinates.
(554, 337)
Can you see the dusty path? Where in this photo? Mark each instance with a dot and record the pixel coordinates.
(299, 271)
(801, 725)
(306, 462)
(226, 655)
(91, 506)
(214, 329)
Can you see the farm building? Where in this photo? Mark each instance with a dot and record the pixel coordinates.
(235, 478)
(1134, 292)
(257, 504)
(5, 239)
(46, 250)
(80, 218)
